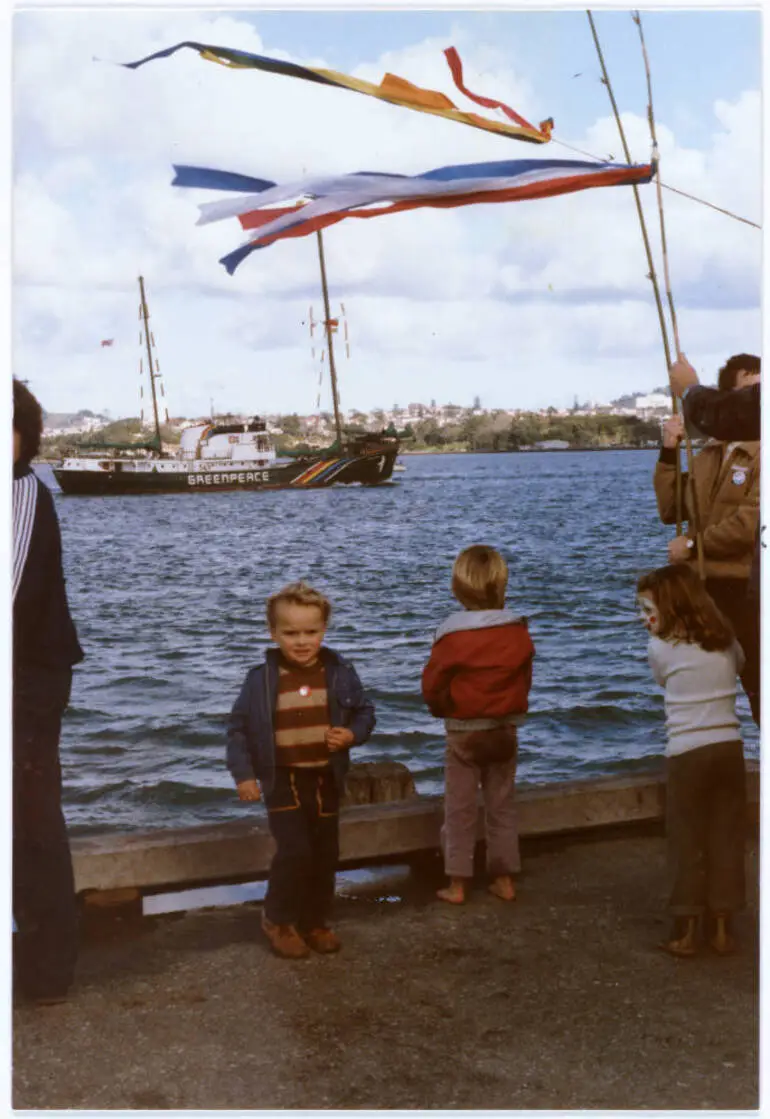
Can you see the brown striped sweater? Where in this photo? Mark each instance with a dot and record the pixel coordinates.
(301, 716)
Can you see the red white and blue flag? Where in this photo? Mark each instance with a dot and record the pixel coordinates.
(273, 212)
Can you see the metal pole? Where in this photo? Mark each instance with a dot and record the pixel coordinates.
(146, 318)
(327, 324)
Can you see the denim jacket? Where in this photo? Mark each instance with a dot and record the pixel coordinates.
(250, 739)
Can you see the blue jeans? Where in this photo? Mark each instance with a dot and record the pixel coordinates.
(303, 813)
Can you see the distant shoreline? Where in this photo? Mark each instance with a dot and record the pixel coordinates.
(467, 451)
(517, 451)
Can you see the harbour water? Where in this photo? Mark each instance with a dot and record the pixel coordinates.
(168, 595)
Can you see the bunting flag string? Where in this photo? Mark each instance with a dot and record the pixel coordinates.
(272, 212)
(394, 90)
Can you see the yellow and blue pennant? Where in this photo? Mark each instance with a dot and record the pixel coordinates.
(395, 90)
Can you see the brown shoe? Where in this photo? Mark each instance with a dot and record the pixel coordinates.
(323, 940)
(284, 940)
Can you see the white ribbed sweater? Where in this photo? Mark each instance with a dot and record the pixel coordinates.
(700, 690)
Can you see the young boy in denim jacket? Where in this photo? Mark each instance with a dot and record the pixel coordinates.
(288, 739)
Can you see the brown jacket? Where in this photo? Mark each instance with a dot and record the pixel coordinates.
(727, 489)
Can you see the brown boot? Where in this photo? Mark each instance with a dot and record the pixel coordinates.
(684, 941)
(722, 939)
(284, 940)
(323, 940)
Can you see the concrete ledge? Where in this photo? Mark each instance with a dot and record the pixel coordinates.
(242, 850)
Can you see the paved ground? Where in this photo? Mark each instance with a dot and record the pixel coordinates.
(558, 1001)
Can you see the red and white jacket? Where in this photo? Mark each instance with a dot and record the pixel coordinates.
(480, 666)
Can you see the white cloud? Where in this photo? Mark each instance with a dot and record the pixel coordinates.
(519, 303)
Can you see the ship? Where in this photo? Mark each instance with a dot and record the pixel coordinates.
(227, 455)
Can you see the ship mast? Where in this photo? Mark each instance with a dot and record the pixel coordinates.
(329, 344)
(146, 318)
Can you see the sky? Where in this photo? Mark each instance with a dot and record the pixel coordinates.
(524, 305)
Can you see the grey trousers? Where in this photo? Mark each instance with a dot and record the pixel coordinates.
(705, 826)
(462, 781)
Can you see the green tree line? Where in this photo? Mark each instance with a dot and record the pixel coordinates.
(497, 431)
(121, 431)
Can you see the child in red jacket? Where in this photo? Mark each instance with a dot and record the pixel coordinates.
(478, 679)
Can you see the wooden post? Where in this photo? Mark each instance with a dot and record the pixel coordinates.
(652, 275)
(688, 444)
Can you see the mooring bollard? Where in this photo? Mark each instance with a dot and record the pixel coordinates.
(378, 783)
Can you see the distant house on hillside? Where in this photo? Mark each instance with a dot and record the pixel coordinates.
(652, 405)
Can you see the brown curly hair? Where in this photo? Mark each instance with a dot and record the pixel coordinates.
(686, 610)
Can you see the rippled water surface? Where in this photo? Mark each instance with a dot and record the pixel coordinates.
(168, 595)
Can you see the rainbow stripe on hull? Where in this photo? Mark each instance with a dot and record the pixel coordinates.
(322, 473)
(118, 477)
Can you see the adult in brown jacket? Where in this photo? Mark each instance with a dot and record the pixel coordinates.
(726, 484)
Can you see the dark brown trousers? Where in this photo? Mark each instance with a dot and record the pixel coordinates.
(743, 612)
(705, 825)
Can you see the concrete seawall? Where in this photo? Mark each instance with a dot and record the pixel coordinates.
(395, 831)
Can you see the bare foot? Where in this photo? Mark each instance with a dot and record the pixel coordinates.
(503, 887)
(454, 893)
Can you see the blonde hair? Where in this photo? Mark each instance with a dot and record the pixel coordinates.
(297, 594)
(479, 578)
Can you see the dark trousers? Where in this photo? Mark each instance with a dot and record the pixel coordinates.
(303, 812)
(705, 825)
(44, 905)
(742, 610)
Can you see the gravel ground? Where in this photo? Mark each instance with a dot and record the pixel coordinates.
(557, 1001)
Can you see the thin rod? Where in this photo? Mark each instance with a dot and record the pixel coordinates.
(146, 317)
(328, 325)
(652, 275)
(687, 442)
(674, 190)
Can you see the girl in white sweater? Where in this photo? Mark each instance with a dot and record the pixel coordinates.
(695, 657)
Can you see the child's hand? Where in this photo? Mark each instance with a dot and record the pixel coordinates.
(249, 790)
(339, 738)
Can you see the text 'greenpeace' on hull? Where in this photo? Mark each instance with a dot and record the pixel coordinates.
(102, 477)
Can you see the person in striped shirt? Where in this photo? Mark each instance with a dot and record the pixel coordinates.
(289, 738)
